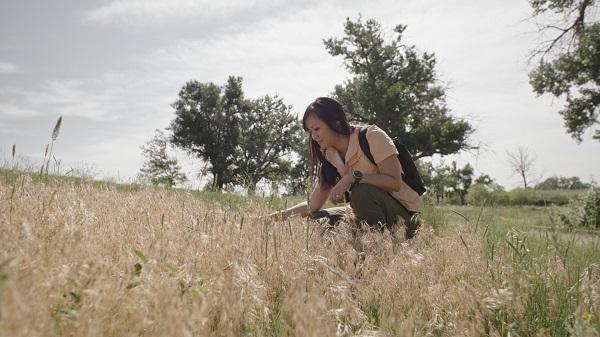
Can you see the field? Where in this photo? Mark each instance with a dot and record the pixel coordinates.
(90, 259)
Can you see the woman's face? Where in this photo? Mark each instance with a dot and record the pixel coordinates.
(320, 132)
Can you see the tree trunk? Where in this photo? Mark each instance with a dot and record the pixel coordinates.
(218, 180)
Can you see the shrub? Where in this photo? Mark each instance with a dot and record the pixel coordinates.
(478, 195)
(558, 197)
(591, 209)
(501, 198)
(521, 196)
(489, 194)
(584, 211)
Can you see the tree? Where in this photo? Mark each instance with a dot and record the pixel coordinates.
(396, 88)
(463, 178)
(484, 180)
(266, 142)
(562, 183)
(569, 65)
(440, 180)
(449, 179)
(243, 140)
(207, 125)
(159, 167)
(521, 163)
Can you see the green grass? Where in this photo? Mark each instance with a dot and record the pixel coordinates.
(524, 237)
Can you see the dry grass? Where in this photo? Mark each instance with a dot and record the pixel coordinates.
(85, 260)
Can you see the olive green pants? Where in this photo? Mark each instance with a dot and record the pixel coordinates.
(375, 208)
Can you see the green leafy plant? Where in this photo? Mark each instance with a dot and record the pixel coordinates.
(584, 211)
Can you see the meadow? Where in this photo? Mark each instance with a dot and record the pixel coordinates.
(82, 258)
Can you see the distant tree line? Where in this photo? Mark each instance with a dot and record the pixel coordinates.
(562, 183)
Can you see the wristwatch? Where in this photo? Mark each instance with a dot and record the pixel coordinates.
(357, 175)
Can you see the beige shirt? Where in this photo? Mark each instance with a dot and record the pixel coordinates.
(381, 146)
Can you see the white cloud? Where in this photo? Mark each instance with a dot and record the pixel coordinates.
(108, 97)
(299, 69)
(143, 13)
(8, 68)
(145, 9)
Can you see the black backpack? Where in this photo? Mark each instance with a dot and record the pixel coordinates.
(411, 175)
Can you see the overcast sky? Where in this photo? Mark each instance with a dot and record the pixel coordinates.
(112, 68)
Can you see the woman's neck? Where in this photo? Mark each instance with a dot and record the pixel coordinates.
(341, 144)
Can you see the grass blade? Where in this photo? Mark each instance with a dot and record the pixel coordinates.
(140, 255)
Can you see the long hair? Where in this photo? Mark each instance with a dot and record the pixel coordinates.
(331, 113)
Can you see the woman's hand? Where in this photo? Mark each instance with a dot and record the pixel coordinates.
(337, 193)
(278, 216)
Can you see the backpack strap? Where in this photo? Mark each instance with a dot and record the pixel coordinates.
(364, 144)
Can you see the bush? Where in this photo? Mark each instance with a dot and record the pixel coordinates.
(584, 211)
(591, 209)
(521, 196)
(501, 198)
(517, 197)
(478, 195)
(559, 197)
(490, 195)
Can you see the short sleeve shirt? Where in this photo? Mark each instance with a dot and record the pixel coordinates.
(382, 147)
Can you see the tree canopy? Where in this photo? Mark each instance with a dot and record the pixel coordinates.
(206, 124)
(266, 142)
(243, 140)
(569, 64)
(395, 87)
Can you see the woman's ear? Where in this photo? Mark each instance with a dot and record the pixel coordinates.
(338, 125)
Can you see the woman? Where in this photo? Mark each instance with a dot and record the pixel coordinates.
(378, 195)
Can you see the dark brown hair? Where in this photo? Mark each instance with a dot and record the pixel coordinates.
(331, 113)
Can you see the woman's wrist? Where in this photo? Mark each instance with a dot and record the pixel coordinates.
(351, 180)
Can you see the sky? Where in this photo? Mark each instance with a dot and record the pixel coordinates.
(112, 68)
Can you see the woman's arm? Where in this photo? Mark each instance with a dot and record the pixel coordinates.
(318, 198)
(389, 176)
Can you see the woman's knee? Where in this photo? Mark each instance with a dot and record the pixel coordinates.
(366, 202)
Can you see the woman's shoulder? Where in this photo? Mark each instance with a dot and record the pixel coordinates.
(375, 132)
(381, 145)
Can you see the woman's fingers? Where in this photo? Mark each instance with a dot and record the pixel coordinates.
(336, 197)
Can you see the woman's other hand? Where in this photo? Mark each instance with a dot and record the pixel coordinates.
(343, 185)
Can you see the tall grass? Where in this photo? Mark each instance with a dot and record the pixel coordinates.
(94, 260)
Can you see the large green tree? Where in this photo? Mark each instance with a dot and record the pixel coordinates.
(206, 124)
(243, 140)
(569, 63)
(394, 86)
(266, 142)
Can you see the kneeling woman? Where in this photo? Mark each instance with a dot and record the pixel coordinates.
(378, 195)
